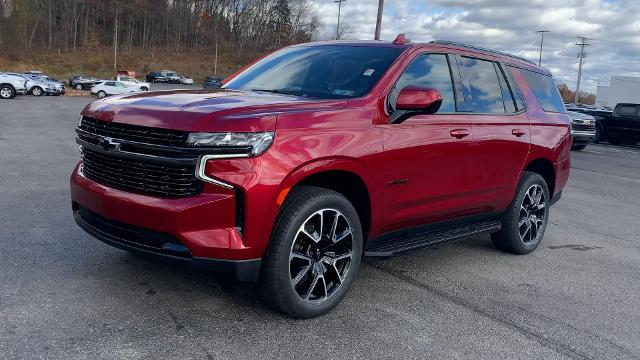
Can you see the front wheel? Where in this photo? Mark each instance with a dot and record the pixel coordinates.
(525, 221)
(314, 253)
(7, 92)
(578, 147)
(78, 87)
(144, 88)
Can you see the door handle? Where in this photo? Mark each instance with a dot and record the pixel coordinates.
(459, 133)
(518, 132)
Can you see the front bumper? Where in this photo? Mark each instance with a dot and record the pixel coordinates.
(203, 226)
(583, 137)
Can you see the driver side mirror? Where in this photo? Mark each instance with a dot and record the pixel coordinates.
(416, 100)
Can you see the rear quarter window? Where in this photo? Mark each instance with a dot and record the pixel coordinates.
(545, 90)
(627, 110)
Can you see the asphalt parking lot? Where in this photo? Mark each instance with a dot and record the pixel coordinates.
(66, 295)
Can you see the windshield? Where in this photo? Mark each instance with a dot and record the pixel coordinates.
(320, 71)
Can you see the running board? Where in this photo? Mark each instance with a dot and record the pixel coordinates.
(392, 244)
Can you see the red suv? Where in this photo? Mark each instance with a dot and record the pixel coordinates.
(322, 154)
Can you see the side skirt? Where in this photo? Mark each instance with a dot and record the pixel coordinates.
(406, 240)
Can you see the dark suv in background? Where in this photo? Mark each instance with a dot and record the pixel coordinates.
(364, 149)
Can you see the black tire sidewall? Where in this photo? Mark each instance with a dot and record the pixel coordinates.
(291, 218)
(510, 232)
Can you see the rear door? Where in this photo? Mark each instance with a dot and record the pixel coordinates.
(501, 131)
(427, 157)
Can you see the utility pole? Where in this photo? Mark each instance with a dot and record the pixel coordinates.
(379, 19)
(541, 32)
(339, 2)
(583, 42)
(115, 42)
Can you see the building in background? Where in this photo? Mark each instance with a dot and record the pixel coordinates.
(622, 89)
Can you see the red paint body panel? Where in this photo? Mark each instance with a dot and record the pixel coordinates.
(426, 169)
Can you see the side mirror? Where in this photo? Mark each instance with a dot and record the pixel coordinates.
(415, 100)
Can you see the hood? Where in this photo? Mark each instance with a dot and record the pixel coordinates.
(204, 110)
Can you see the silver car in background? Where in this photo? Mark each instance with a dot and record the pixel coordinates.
(11, 85)
(37, 86)
(583, 129)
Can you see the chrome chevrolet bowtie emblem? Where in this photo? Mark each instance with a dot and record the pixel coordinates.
(107, 143)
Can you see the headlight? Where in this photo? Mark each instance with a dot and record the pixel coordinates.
(257, 142)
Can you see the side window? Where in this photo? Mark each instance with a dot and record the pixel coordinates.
(515, 88)
(545, 91)
(507, 97)
(428, 70)
(109, 83)
(482, 91)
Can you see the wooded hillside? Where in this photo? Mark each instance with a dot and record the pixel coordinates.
(156, 30)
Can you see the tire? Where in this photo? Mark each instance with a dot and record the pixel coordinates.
(78, 87)
(578, 147)
(599, 136)
(144, 88)
(518, 234)
(102, 94)
(318, 262)
(7, 92)
(37, 91)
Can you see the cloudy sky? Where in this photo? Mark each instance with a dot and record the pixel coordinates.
(613, 27)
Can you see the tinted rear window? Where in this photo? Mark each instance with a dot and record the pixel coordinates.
(545, 91)
(626, 110)
(481, 86)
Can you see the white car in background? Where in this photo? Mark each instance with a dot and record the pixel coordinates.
(186, 80)
(143, 86)
(106, 88)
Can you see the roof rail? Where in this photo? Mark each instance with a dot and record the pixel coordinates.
(445, 42)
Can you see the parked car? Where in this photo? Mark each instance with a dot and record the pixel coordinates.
(37, 86)
(127, 73)
(601, 117)
(156, 77)
(583, 130)
(377, 150)
(212, 82)
(57, 86)
(186, 80)
(12, 85)
(80, 82)
(106, 88)
(143, 86)
(171, 76)
(624, 125)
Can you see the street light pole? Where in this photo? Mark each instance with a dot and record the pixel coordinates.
(339, 2)
(379, 19)
(541, 32)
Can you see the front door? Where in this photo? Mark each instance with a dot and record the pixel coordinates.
(427, 157)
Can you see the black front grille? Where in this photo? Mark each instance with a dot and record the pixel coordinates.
(583, 127)
(142, 134)
(140, 175)
(132, 235)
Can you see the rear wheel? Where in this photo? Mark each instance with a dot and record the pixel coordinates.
(144, 88)
(525, 222)
(314, 253)
(78, 87)
(102, 94)
(7, 92)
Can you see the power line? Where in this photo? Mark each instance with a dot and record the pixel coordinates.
(583, 42)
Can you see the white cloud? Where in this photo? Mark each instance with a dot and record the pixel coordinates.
(510, 26)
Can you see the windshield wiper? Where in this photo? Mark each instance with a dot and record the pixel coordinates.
(281, 91)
